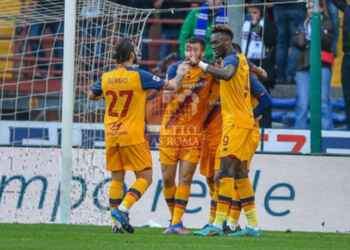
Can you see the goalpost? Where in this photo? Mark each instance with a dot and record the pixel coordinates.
(67, 108)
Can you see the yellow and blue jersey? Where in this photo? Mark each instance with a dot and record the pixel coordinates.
(124, 90)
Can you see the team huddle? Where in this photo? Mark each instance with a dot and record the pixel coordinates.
(211, 119)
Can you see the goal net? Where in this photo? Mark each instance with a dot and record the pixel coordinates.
(31, 58)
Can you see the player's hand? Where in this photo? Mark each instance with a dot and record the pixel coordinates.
(219, 63)
(193, 59)
(261, 73)
(182, 69)
(257, 119)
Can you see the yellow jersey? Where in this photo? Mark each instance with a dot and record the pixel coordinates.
(235, 96)
(124, 91)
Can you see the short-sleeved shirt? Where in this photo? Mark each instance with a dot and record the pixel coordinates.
(124, 90)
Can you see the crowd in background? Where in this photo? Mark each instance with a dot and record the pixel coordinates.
(275, 37)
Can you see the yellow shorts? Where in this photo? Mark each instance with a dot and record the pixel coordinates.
(170, 156)
(173, 148)
(254, 144)
(240, 143)
(208, 155)
(133, 158)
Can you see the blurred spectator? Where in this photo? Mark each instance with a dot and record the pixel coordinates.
(258, 42)
(287, 18)
(170, 31)
(199, 23)
(91, 32)
(332, 12)
(50, 9)
(345, 7)
(301, 41)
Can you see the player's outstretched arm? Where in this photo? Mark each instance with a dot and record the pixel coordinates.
(220, 72)
(225, 73)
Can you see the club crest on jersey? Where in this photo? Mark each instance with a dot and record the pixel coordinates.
(114, 129)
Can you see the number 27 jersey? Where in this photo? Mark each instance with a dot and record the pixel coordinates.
(124, 90)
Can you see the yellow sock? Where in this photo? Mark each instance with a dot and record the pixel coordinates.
(224, 200)
(181, 199)
(246, 193)
(213, 196)
(212, 213)
(169, 196)
(116, 192)
(134, 193)
(235, 209)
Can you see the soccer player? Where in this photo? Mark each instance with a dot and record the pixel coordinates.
(180, 133)
(211, 138)
(261, 100)
(237, 141)
(124, 89)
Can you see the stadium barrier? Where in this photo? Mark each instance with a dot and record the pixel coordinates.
(293, 192)
(91, 135)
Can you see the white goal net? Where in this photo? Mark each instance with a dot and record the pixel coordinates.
(31, 58)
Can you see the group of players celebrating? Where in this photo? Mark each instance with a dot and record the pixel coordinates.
(212, 118)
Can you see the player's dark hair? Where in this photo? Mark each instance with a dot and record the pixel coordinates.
(123, 50)
(194, 40)
(224, 29)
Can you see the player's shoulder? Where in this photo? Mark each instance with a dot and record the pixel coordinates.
(232, 58)
(108, 70)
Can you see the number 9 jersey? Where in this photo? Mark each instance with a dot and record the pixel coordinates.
(124, 90)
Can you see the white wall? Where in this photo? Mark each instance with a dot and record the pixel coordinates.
(293, 192)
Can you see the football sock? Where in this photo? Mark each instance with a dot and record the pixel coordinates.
(169, 195)
(235, 210)
(213, 196)
(246, 194)
(212, 213)
(134, 193)
(181, 199)
(115, 194)
(224, 200)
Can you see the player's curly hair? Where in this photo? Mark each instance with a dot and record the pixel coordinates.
(123, 50)
(223, 28)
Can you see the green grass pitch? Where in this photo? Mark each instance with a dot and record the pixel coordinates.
(74, 237)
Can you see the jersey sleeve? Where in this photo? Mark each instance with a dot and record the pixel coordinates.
(231, 59)
(171, 72)
(96, 88)
(257, 89)
(150, 81)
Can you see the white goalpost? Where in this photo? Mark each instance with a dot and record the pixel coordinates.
(67, 108)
